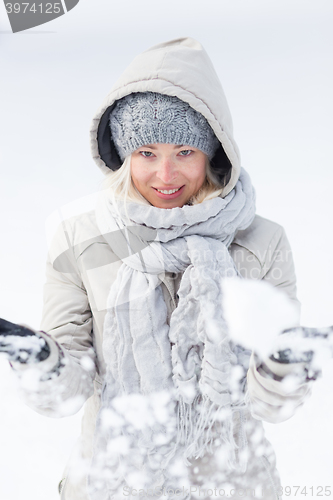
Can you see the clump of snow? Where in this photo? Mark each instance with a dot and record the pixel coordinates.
(136, 409)
(256, 313)
(235, 382)
(110, 418)
(87, 363)
(161, 403)
(119, 444)
(144, 410)
(178, 468)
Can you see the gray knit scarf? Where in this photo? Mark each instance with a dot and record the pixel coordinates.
(167, 387)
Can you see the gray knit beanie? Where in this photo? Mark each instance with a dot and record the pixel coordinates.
(145, 118)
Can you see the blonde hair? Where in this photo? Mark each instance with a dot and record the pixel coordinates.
(122, 187)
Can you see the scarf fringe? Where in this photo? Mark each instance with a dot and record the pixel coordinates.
(200, 427)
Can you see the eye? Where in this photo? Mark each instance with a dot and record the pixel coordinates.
(146, 154)
(185, 152)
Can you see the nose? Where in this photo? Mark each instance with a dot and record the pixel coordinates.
(167, 170)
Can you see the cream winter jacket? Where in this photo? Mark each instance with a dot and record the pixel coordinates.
(81, 268)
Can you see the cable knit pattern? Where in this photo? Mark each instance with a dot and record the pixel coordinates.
(151, 118)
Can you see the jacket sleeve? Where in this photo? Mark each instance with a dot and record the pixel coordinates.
(278, 267)
(273, 393)
(61, 384)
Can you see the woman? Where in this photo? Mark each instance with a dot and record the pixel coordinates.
(133, 299)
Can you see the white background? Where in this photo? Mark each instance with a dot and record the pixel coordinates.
(274, 59)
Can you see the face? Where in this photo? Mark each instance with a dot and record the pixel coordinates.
(168, 175)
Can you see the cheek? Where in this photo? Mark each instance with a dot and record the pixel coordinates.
(200, 176)
(139, 174)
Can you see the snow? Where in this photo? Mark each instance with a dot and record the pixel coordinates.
(256, 313)
(275, 63)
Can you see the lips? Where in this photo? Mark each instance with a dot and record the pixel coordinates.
(170, 193)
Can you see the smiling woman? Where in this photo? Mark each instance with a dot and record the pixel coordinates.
(134, 313)
(131, 181)
(164, 170)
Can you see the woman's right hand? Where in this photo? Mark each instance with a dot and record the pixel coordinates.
(21, 344)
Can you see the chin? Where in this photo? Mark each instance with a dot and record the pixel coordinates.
(169, 205)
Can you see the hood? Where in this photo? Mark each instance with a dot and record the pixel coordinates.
(178, 68)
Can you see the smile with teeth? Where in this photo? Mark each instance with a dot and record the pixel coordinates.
(170, 191)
